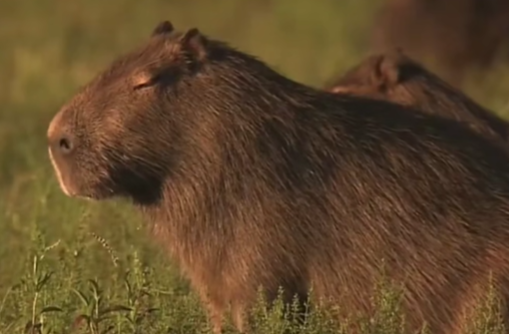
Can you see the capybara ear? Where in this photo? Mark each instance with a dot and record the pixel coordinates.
(388, 70)
(396, 67)
(193, 45)
(164, 27)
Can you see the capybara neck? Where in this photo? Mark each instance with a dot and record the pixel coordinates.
(243, 146)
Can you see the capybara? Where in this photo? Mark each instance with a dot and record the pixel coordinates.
(453, 35)
(253, 180)
(393, 76)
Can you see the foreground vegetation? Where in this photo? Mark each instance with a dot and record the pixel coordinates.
(67, 265)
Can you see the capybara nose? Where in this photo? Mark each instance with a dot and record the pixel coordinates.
(62, 144)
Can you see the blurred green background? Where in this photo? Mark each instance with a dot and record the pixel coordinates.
(49, 48)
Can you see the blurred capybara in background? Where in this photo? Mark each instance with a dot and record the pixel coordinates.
(395, 77)
(454, 35)
(253, 180)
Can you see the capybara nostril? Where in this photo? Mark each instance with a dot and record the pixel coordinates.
(62, 144)
(65, 145)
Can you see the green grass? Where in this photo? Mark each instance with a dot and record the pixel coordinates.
(57, 252)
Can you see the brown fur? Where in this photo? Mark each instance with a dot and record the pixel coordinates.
(251, 179)
(456, 34)
(395, 77)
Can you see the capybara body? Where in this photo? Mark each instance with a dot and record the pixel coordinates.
(253, 180)
(457, 35)
(395, 77)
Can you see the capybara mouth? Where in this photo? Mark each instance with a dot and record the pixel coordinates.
(63, 184)
(86, 193)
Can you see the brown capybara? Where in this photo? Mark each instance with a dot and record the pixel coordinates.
(453, 35)
(253, 180)
(395, 77)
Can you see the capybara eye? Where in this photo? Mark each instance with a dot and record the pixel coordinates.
(143, 85)
(145, 82)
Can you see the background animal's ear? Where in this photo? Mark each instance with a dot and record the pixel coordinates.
(388, 70)
(193, 45)
(396, 67)
(164, 27)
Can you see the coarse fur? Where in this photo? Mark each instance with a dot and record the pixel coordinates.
(251, 179)
(395, 77)
(454, 35)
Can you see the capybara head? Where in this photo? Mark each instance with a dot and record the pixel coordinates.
(383, 76)
(107, 141)
(395, 77)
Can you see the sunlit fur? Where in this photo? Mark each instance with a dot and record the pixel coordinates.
(395, 77)
(250, 179)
